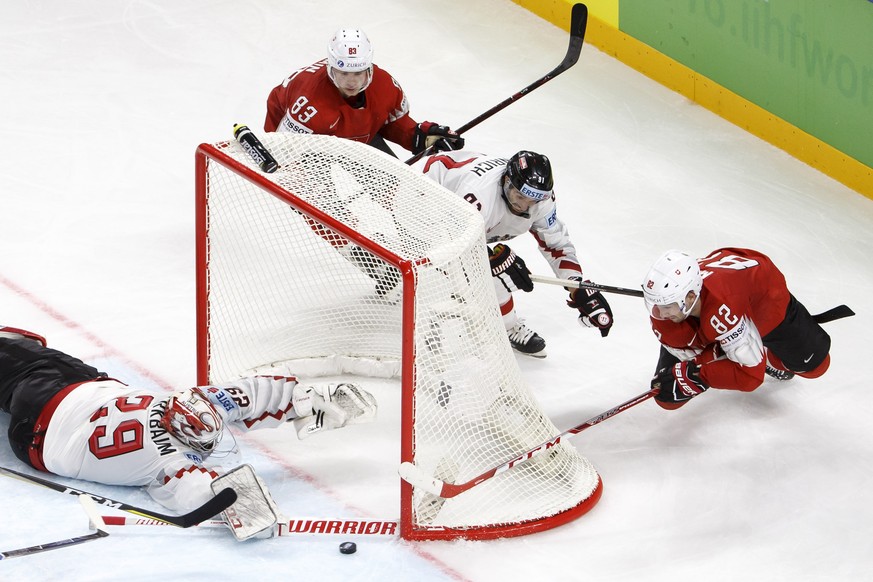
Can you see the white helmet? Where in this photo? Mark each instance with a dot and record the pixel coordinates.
(668, 282)
(350, 51)
(192, 419)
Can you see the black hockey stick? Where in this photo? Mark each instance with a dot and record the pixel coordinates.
(53, 545)
(585, 285)
(838, 312)
(224, 499)
(578, 23)
(95, 519)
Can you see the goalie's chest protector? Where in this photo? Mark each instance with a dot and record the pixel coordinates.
(107, 433)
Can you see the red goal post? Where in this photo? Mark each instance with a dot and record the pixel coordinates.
(346, 261)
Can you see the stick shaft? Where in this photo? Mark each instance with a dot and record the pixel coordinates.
(448, 490)
(585, 285)
(214, 506)
(578, 24)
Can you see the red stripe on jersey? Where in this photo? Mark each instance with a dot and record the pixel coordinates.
(570, 266)
(556, 254)
(277, 415)
(190, 469)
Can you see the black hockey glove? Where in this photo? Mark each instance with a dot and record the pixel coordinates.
(509, 269)
(441, 137)
(594, 311)
(678, 384)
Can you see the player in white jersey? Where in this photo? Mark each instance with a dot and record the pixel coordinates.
(515, 196)
(69, 419)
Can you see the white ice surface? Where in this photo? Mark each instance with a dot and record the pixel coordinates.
(105, 102)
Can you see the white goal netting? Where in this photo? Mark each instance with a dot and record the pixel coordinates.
(346, 261)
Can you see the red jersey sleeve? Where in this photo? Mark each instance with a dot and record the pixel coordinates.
(399, 127)
(275, 109)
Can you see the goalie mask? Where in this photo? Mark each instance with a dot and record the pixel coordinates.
(668, 283)
(192, 419)
(350, 51)
(527, 180)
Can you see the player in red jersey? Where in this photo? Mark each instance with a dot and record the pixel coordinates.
(346, 95)
(726, 321)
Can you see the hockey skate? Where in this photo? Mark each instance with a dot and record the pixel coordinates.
(780, 375)
(526, 341)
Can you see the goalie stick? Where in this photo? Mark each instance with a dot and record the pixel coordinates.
(838, 312)
(578, 23)
(93, 517)
(291, 527)
(417, 478)
(211, 508)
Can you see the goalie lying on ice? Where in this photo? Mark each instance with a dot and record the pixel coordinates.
(70, 419)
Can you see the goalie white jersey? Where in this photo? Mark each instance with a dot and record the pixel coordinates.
(479, 180)
(106, 432)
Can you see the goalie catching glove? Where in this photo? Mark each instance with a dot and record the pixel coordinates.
(594, 311)
(678, 384)
(440, 137)
(509, 269)
(331, 406)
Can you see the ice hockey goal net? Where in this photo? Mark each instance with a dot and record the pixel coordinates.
(347, 261)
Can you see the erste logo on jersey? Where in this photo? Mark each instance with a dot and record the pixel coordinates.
(218, 395)
(553, 218)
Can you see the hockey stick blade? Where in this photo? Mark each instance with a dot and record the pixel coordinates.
(578, 24)
(87, 503)
(418, 478)
(94, 519)
(222, 500)
(53, 545)
(838, 312)
(214, 506)
(585, 285)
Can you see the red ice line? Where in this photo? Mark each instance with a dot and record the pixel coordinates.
(110, 351)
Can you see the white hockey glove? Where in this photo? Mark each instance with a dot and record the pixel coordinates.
(254, 513)
(331, 406)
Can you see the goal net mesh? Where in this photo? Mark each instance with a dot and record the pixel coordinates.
(347, 261)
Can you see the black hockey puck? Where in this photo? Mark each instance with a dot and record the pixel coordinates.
(348, 548)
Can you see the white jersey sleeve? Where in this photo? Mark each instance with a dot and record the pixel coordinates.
(478, 179)
(255, 402)
(554, 241)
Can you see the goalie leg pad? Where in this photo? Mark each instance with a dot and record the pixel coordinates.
(254, 514)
